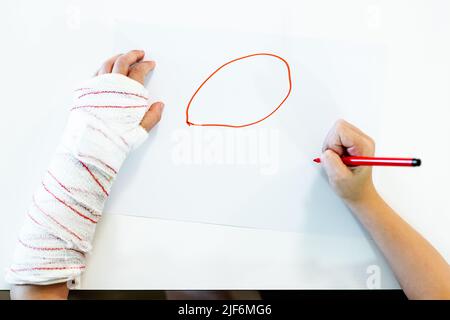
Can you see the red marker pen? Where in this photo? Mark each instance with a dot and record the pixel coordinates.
(377, 161)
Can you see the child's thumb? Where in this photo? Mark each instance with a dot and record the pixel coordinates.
(152, 116)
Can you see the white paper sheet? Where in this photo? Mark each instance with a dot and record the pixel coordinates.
(260, 176)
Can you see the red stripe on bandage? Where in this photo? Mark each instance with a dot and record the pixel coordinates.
(90, 210)
(99, 118)
(47, 248)
(109, 107)
(56, 221)
(87, 192)
(49, 268)
(78, 190)
(34, 220)
(62, 186)
(113, 92)
(68, 206)
(51, 236)
(97, 159)
(94, 177)
(39, 248)
(106, 136)
(124, 141)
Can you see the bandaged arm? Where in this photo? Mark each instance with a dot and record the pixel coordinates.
(103, 128)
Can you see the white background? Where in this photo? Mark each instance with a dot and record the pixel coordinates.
(48, 47)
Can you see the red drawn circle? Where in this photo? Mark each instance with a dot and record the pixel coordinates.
(288, 69)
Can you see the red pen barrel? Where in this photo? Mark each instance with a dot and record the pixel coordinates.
(377, 161)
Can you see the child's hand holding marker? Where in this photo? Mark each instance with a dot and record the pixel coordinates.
(351, 184)
(422, 272)
(347, 159)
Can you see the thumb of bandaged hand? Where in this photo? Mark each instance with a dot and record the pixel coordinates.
(103, 127)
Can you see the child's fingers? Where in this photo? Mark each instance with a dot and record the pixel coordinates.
(108, 65)
(123, 63)
(344, 137)
(139, 70)
(152, 116)
(334, 167)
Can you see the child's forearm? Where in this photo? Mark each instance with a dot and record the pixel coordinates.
(421, 270)
(57, 291)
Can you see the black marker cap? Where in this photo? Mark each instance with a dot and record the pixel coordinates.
(416, 162)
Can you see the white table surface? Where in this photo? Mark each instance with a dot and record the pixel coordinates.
(46, 49)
